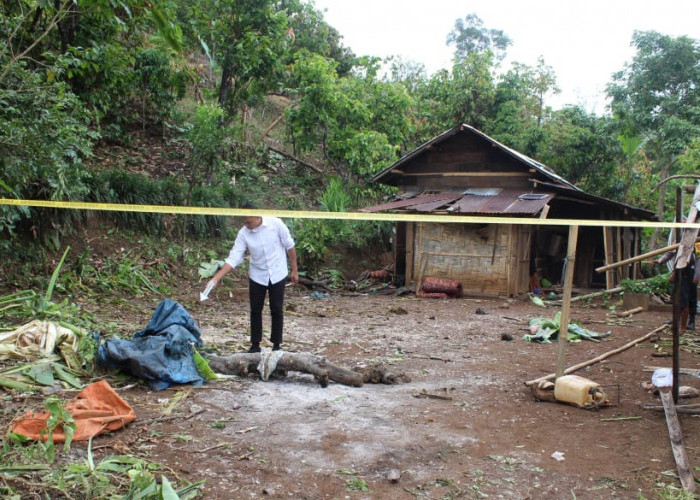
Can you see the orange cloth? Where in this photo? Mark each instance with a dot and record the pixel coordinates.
(96, 409)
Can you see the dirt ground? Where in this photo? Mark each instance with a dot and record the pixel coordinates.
(465, 425)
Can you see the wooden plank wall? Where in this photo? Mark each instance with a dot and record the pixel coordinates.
(481, 257)
(521, 239)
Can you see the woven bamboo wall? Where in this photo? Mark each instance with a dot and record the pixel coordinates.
(481, 257)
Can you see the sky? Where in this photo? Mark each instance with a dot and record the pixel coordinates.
(584, 42)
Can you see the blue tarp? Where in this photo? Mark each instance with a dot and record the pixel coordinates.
(162, 352)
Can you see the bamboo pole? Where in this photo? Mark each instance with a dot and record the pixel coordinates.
(587, 296)
(566, 299)
(606, 355)
(637, 258)
(677, 303)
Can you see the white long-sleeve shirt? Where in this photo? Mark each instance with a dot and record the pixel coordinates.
(267, 245)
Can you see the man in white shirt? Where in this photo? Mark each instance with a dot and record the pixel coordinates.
(268, 242)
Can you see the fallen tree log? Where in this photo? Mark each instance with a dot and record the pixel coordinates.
(244, 364)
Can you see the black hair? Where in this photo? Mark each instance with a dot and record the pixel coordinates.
(250, 205)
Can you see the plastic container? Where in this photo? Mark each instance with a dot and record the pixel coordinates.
(579, 391)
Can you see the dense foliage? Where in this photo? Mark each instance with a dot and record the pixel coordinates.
(81, 75)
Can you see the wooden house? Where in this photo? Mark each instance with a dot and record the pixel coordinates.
(465, 172)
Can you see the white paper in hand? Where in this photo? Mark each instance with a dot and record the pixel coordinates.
(205, 294)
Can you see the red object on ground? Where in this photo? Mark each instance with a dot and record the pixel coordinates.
(450, 287)
(381, 274)
(432, 295)
(96, 409)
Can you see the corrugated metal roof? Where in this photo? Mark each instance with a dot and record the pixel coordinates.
(503, 201)
(545, 178)
(413, 201)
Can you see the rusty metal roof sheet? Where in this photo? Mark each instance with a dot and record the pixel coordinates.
(413, 201)
(495, 201)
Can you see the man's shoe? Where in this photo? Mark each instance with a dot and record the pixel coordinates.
(691, 325)
(254, 349)
(276, 347)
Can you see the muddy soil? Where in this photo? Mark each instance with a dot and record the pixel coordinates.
(464, 426)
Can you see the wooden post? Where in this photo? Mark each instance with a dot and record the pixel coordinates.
(410, 251)
(422, 259)
(609, 258)
(566, 299)
(677, 303)
(636, 267)
(685, 472)
(618, 234)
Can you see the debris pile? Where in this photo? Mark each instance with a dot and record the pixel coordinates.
(545, 330)
(48, 353)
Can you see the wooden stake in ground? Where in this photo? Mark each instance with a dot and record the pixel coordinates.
(566, 299)
(630, 312)
(685, 472)
(599, 358)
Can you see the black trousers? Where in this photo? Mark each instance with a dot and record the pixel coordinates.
(256, 293)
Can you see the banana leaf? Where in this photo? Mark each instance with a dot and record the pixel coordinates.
(208, 269)
(202, 365)
(580, 332)
(17, 385)
(537, 300)
(546, 330)
(65, 375)
(41, 374)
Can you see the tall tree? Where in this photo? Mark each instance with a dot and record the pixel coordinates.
(357, 122)
(311, 32)
(248, 40)
(519, 106)
(463, 95)
(657, 96)
(579, 146)
(469, 36)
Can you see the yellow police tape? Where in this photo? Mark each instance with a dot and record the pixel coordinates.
(362, 216)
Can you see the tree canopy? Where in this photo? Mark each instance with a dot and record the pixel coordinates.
(79, 73)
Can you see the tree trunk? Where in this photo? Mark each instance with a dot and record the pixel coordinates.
(660, 207)
(243, 364)
(225, 87)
